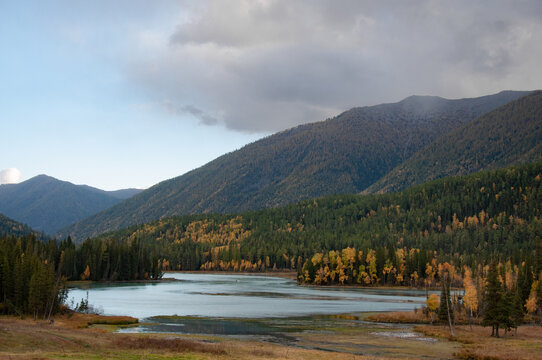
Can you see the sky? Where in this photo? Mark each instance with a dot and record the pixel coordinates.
(127, 93)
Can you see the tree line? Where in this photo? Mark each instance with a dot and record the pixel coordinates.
(33, 273)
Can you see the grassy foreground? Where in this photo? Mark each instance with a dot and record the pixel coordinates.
(82, 336)
(74, 338)
(476, 342)
(478, 345)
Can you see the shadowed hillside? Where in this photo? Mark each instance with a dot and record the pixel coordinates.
(509, 135)
(9, 227)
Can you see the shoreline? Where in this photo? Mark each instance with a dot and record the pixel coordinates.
(282, 274)
(292, 275)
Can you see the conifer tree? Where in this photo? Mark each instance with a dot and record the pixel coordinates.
(517, 314)
(493, 300)
(538, 266)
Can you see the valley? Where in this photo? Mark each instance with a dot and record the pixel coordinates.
(424, 256)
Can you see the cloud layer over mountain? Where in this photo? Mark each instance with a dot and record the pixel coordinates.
(268, 65)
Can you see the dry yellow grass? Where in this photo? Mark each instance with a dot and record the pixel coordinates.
(403, 317)
(70, 338)
(77, 320)
(170, 344)
(479, 345)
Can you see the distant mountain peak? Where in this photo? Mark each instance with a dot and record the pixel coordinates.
(48, 204)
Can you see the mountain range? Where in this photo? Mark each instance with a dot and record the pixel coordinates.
(47, 204)
(350, 153)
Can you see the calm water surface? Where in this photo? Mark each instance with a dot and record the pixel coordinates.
(238, 296)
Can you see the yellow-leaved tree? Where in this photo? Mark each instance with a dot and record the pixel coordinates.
(470, 299)
(86, 274)
(432, 303)
(531, 303)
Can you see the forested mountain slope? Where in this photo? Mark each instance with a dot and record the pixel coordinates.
(9, 227)
(468, 220)
(511, 134)
(48, 204)
(345, 154)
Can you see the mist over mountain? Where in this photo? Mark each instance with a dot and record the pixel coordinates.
(48, 204)
(345, 154)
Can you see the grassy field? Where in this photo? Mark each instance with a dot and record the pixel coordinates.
(73, 338)
(83, 336)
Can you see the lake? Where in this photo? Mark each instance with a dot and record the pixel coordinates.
(266, 308)
(239, 296)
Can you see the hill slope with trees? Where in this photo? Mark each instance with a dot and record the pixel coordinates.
(9, 227)
(509, 135)
(470, 220)
(345, 154)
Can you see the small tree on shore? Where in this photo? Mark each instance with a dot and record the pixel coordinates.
(445, 310)
(432, 303)
(531, 305)
(470, 299)
(495, 310)
(517, 313)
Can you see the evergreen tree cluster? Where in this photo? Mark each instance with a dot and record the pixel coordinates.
(33, 272)
(503, 303)
(29, 279)
(109, 260)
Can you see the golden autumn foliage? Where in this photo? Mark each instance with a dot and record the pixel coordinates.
(531, 305)
(432, 302)
(86, 274)
(470, 299)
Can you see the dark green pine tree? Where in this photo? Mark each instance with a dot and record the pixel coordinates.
(517, 310)
(493, 300)
(538, 267)
(506, 309)
(525, 281)
(538, 257)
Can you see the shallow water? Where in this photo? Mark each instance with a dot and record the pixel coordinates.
(238, 296)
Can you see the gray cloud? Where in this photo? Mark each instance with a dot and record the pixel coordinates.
(262, 66)
(199, 114)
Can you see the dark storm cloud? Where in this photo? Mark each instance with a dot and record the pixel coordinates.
(268, 65)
